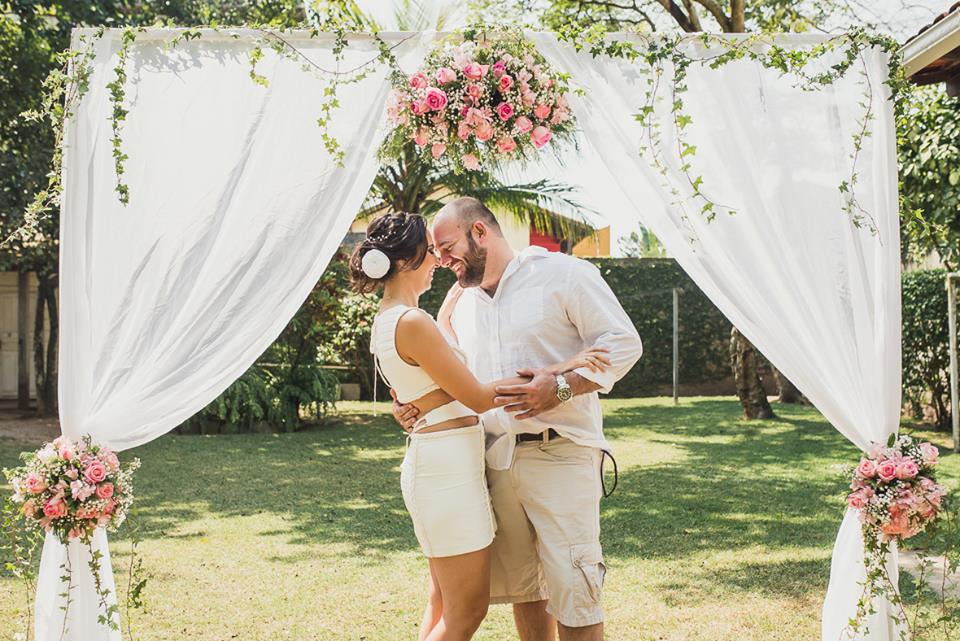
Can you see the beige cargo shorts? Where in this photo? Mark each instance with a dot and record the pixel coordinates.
(547, 544)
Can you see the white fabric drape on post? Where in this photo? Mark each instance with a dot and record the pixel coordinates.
(235, 210)
(819, 297)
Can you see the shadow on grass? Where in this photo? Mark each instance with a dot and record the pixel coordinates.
(338, 484)
(728, 485)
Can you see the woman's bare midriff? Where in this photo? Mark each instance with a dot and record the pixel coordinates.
(435, 399)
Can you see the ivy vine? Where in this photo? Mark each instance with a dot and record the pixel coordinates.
(666, 60)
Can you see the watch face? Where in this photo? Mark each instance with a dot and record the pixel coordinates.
(564, 393)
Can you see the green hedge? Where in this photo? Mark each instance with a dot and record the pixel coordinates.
(644, 287)
(926, 346)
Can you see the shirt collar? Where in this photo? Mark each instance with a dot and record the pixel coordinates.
(533, 252)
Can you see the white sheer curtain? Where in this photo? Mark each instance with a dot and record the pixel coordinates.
(235, 210)
(818, 296)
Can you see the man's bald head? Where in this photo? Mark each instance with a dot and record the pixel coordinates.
(465, 212)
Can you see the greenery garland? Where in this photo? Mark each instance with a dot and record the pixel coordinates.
(661, 56)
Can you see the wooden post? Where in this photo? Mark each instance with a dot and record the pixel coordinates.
(952, 315)
(23, 362)
(676, 347)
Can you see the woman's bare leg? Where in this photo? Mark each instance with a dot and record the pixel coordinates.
(464, 582)
(434, 610)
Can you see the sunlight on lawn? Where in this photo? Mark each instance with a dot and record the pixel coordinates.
(720, 529)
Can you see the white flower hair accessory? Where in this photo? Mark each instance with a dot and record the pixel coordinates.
(375, 264)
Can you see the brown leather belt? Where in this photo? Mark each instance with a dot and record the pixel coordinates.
(544, 436)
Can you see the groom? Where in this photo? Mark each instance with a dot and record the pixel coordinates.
(516, 314)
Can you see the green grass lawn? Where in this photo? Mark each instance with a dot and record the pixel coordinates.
(720, 529)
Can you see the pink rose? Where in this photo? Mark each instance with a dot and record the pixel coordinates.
(111, 461)
(505, 83)
(105, 490)
(474, 117)
(35, 484)
(418, 80)
(436, 99)
(417, 107)
(474, 91)
(504, 110)
(109, 507)
(499, 68)
(95, 472)
(471, 162)
(929, 452)
(506, 144)
(540, 136)
(907, 470)
(867, 468)
(541, 111)
(438, 149)
(422, 137)
(29, 508)
(527, 99)
(484, 131)
(523, 124)
(463, 131)
(887, 471)
(474, 71)
(72, 474)
(54, 509)
(856, 501)
(559, 115)
(445, 75)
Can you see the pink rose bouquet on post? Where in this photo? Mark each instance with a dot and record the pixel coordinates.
(70, 489)
(476, 104)
(895, 490)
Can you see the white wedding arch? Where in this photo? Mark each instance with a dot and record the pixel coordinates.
(236, 206)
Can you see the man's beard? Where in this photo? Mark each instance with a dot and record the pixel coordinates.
(474, 264)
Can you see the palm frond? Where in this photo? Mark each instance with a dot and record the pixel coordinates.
(548, 206)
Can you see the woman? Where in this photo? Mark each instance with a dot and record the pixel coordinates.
(442, 475)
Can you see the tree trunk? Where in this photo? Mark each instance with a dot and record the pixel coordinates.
(788, 391)
(737, 17)
(23, 367)
(743, 360)
(45, 356)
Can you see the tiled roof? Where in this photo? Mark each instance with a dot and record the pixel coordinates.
(942, 16)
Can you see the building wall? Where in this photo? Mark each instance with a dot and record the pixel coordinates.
(8, 332)
(596, 245)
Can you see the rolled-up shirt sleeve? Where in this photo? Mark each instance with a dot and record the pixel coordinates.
(602, 322)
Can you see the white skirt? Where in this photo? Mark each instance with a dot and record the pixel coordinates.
(443, 478)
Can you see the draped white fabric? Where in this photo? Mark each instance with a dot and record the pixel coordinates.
(818, 296)
(235, 210)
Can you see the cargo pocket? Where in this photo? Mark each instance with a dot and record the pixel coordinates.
(589, 572)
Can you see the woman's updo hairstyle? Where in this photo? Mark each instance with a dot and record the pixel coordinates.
(394, 242)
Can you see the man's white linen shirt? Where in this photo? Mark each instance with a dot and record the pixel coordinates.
(547, 308)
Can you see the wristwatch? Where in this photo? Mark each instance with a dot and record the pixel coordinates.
(564, 393)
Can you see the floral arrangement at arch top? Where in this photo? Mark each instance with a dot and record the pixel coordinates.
(477, 104)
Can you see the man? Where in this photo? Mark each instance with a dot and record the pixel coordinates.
(516, 314)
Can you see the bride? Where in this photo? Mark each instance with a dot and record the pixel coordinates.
(442, 476)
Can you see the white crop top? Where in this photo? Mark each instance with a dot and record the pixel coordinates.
(410, 382)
